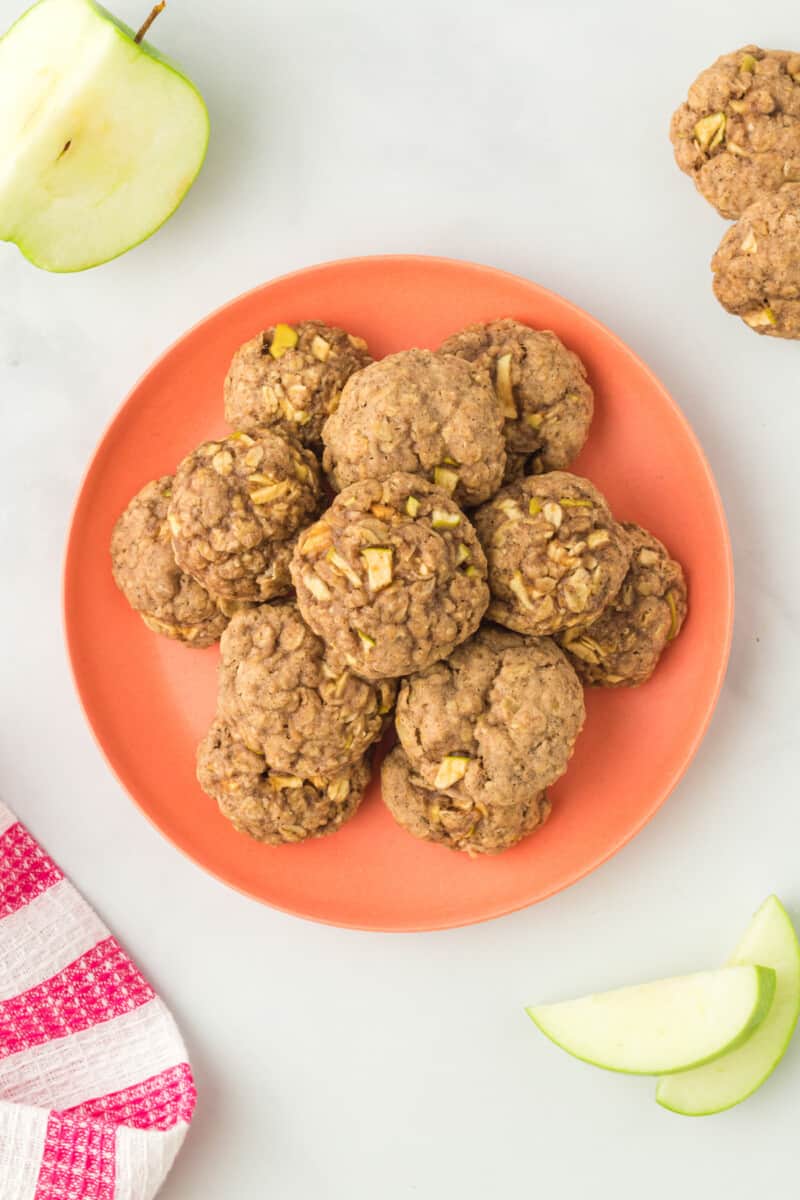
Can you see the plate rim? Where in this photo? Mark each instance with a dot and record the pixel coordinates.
(502, 909)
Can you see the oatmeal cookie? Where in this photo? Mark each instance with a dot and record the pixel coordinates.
(270, 806)
(289, 378)
(494, 723)
(556, 555)
(168, 600)
(289, 698)
(236, 509)
(622, 647)
(757, 266)
(458, 823)
(738, 134)
(392, 576)
(422, 413)
(540, 384)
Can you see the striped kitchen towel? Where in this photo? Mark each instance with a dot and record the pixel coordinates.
(96, 1093)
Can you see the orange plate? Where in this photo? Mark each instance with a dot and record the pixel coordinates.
(149, 700)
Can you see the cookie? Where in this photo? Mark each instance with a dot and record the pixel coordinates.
(271, 806)
(167, 599)
(392, 577)
(556, 555)
(540, 384)
(757, 266)
(291, 700)
(738, 134)
(290, 377)
(237, 506)
(456, 823)
(422, 413)
(622, 647)
(496, 722)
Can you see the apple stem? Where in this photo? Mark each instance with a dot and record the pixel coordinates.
(154, 13)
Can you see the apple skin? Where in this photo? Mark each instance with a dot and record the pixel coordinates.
(127, 37)
(760, 985)
(690, 1095)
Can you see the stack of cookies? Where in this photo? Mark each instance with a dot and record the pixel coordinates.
(458, 572)
(738, 136)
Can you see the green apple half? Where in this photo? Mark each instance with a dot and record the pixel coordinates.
(771, 940)
(658, 1028)
(102, 137)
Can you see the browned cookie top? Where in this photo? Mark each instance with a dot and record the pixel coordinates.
(289, 378)
(738, 135)
(236, 509)
(423, 413)
(496, 722)
(757, 266)
(458, 822)
(168, 600)
(291, 699)
(392, 576)
(271, 806)
(541, 385)
(622, 647)
(556, 555)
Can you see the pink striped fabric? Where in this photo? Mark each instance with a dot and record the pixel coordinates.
(100, 985)
(25, 869)
(112, 1059)
(155, 1103)
(78, 1160)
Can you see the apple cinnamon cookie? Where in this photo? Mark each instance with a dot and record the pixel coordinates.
(290, 377)
(167, 599)
(622, 647)
(738, 134)
(556, 555)
(757, 266)
(237, 506)
(392, 577)
(422, 413)
(286, 696)
(456, 822)
(540, 384)
(271, 806)
(494, 723)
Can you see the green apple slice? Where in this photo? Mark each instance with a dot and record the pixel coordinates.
(771, 940)
(101, 136)
(658, 1028)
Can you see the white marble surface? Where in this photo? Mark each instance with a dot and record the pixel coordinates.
(531, 136)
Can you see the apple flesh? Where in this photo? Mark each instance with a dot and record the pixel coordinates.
(101, 137)
(658, 1028)
(771, 940)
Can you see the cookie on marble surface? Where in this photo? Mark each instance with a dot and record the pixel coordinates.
(757, 266)
(738, 134)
